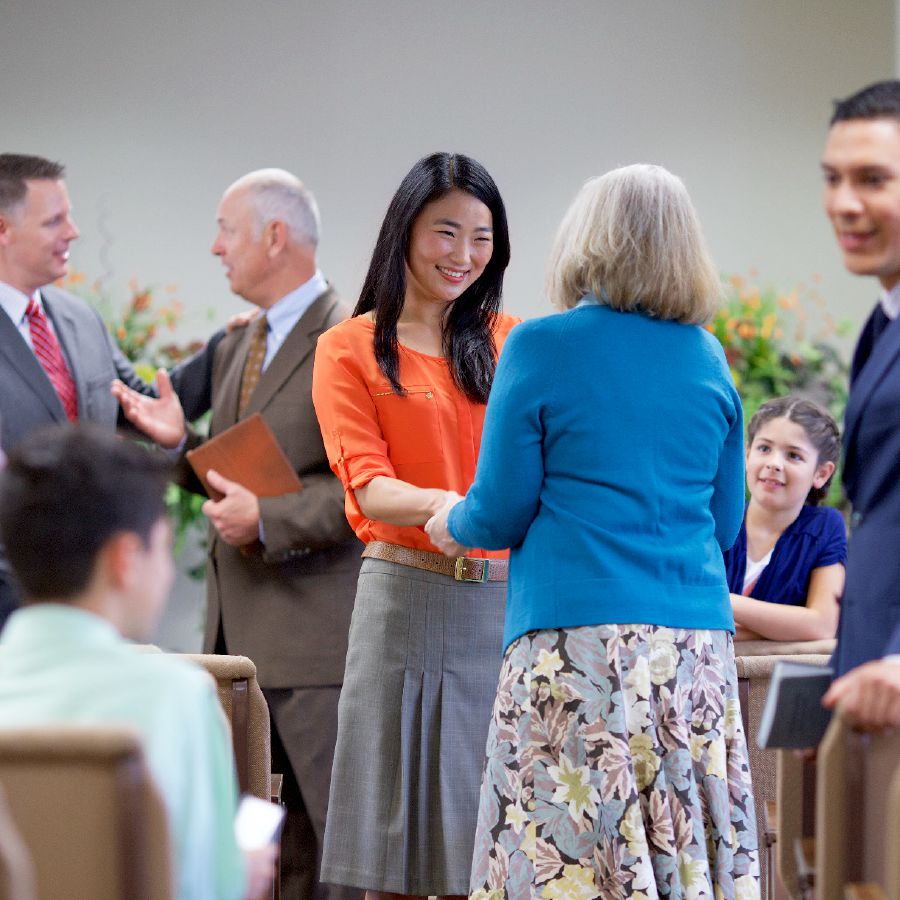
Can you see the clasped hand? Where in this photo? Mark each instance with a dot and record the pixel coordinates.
(437, 531)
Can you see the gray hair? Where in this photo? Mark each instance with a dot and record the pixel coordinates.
(276, 195)
(633, 239)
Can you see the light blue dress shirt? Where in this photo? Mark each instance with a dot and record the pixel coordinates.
(283, 315)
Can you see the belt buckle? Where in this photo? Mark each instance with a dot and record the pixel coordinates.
(459, 574)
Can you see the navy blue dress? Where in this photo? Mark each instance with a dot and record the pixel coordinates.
(816, 538)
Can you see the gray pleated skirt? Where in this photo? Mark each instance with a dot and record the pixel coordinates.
(422, 667)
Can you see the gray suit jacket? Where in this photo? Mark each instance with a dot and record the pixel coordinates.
(287, 608)
(28, 400)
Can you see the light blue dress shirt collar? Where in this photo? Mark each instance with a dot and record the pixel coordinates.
(283, 315)
(14, 303)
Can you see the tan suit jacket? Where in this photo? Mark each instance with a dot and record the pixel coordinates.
(287, 608)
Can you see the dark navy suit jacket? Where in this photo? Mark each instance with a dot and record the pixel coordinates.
(870, 610)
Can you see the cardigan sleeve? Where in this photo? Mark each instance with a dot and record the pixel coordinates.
(727, 503)
(504, 497)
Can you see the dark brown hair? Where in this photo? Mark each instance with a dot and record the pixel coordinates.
(16, 169)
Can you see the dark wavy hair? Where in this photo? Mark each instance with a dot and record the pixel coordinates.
(820, 428)
(467, 329)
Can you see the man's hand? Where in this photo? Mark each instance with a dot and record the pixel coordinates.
(161, 420)
(869, 695)
(437, 531)
(241, 320)
(236, 515)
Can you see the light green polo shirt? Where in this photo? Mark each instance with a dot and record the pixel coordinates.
(60, 665)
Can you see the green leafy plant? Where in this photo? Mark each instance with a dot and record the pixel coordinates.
(780, 343)
(139, 326)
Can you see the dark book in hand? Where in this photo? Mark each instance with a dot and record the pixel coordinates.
(793, 715)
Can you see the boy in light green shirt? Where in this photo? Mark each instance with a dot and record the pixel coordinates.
(83, 521)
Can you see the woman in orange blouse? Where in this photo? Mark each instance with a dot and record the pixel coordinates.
(400, 392)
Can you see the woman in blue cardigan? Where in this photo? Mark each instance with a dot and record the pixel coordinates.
(612, 466)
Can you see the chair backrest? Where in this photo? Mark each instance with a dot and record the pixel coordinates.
(245, 706)
(852, 797)
(17, 878)
(86, 807)
(754, 674)
(784, 648)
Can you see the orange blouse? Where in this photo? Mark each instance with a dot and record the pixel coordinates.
(429, 438)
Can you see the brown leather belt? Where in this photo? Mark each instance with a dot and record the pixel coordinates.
(462, 568)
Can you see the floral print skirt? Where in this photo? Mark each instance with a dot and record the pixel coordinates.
(617, 767)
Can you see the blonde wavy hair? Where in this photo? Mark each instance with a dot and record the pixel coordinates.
(633, 239)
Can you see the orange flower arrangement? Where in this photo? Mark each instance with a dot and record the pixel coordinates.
(779, 343)
(138, 325)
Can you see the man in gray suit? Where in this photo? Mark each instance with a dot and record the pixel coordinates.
(57, 360)
(281, 575)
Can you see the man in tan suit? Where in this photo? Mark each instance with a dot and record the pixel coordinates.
(281, 572)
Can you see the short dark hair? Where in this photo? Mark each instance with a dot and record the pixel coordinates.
(468, 329)
(66, 491)
(820, 428)
(16, 169)
(876, 101)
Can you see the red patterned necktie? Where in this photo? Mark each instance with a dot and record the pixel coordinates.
(50, 356)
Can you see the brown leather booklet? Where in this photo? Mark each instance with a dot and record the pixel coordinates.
(249, 454)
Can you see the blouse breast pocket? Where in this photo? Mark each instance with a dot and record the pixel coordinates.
(410, 424)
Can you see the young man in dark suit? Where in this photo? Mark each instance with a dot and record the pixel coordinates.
(861, 165)
(282, 571)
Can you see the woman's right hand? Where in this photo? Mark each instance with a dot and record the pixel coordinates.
(438, 532)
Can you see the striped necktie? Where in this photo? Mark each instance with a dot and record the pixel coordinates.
(256, 355)
(49, 355)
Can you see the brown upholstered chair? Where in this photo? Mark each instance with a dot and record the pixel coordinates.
(855, 771)
(88, 812)
(17, 878)
(245, 706)
(754, 674)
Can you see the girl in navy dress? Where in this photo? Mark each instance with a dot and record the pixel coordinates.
(786, 568)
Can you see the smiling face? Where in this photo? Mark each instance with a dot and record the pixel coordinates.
(861, 165)
(782, 466)
(450, 244)
(35, 237)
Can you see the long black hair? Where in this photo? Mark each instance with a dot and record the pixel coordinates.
(467, 329)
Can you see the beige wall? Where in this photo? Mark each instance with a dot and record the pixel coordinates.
(156, 107)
